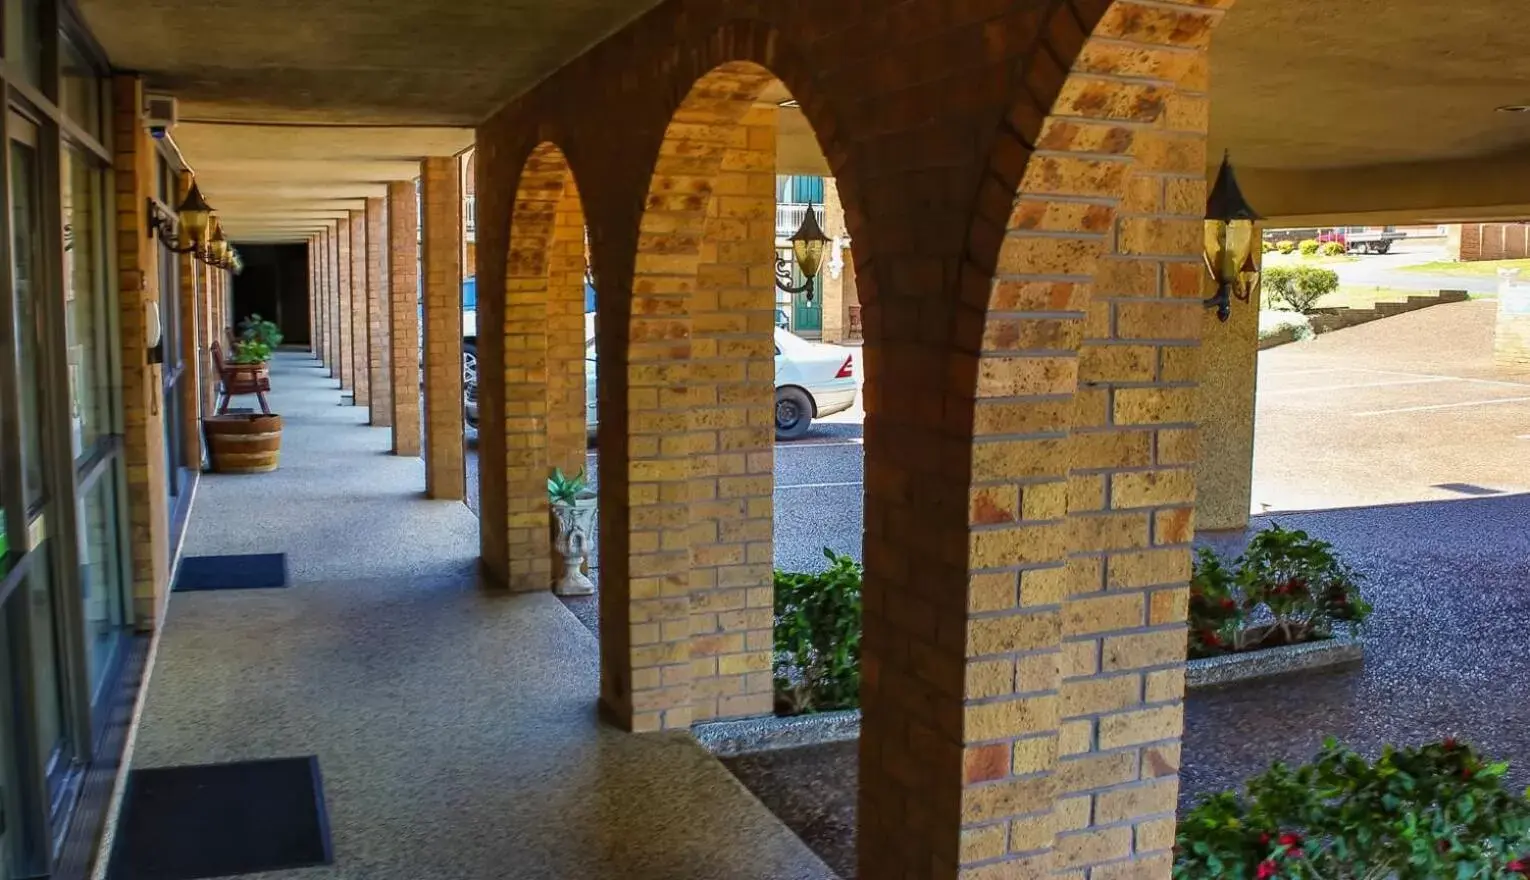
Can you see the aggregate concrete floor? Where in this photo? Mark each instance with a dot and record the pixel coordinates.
(1384, 435)
(455, 728)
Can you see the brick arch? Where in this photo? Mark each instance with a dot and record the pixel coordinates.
(532, 395)
(1083, 284)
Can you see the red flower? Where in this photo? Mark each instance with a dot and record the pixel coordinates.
(1210, 638)
(1468, 772)
(1267, 870)
(1290, 839)
(1450, 743)
(1264, 839)
(1228, 604)
(1518, 866)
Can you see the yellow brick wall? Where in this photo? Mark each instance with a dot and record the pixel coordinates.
(380, 379)
(403, 317)
(361, 326)
(441, 265)
(345, 307)
(143, 419)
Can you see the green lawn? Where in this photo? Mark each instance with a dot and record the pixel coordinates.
(1485, 268)
(1363, 296)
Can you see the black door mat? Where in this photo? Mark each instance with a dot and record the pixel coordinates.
(217, 820)
(256, 571)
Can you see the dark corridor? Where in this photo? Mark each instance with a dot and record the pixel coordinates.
(274, 285)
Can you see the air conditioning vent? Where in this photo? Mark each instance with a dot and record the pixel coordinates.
(160, 112)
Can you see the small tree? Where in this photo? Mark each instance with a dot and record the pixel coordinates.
(1286, 247)
(1299, 288)
(1308, 247)
(1333, 249)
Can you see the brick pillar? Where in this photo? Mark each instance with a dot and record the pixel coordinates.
(1471, 242)
(361, 328)
(191, 343)
(346, 307)
(378, 314)
(731, 398)
(138, 291)
(831, 287)
(404, 317)
(336, 302)
(316, 299)
(1492, 241)
(1228, 373)
(441, 265)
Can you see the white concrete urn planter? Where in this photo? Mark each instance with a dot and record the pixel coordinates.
(575, 532)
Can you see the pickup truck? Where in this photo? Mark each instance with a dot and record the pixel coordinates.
(1366, 239)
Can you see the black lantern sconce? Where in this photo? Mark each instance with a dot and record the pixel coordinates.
(808, 247)
(1230, 242)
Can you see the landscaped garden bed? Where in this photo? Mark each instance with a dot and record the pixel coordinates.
(1287, 604)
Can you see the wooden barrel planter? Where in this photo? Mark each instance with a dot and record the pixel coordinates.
(245, 443)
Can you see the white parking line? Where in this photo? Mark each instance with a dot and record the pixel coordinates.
(1496, 382)
(818, 485)
(856, 442)
(1432, 381)
(1439, 406)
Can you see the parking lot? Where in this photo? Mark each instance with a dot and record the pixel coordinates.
(1406, 409)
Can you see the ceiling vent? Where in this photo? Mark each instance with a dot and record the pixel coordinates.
(161, 113)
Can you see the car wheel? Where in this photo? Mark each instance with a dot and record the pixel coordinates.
(469, 380)
(794, 413)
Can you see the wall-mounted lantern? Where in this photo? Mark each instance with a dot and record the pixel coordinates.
(185, 231)
(1230, 242)
(808, 246)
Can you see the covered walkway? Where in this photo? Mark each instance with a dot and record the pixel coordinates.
(455, 728)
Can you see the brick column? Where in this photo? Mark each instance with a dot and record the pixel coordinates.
(831, 288)
(336, 301)
(191, 343)
(731, 388)
(378, 314)
(345, 307)
(1228, 376)
(441, 265)
(321, 290)
(361, 328)
(315, 301)
(404, 317)
(138, 292)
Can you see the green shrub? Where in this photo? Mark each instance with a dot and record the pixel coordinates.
(1438, 812)
(251, 351)
(1308, 247)
(1267, 246)
(1299, 287)
(257, 329)
(1333, 249)
(1286, 247)
(818, 637)
(1286, 588)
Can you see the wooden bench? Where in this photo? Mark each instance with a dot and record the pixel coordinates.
(240, 379)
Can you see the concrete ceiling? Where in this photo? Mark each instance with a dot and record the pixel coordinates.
(295, 110)
(1340, 83)
(387, 82)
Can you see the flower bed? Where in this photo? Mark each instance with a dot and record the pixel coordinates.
(1437, 811)
(1286, 591)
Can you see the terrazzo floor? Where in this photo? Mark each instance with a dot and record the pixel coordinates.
(455, 728)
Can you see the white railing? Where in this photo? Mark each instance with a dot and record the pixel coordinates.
(789, 219)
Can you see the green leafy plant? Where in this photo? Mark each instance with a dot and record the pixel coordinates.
(250, 351)
(1308, 247)
(1333, 249)
(818, 637)
(1286, 588)
(257, 329)
(1298, 288)
(1286, 247)
(1437, 812)
(566, 490)
(1266, 246)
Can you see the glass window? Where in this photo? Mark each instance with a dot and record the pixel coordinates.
(101, 576)
(79, 93)
(24, 225)
(46, 670)
(23, 38)
(89, 339)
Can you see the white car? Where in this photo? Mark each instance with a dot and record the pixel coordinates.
(813, 380)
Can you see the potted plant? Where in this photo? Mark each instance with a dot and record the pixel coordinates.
(573, 508)
(257, 329)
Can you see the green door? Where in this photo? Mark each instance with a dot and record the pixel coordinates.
(807, 318)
